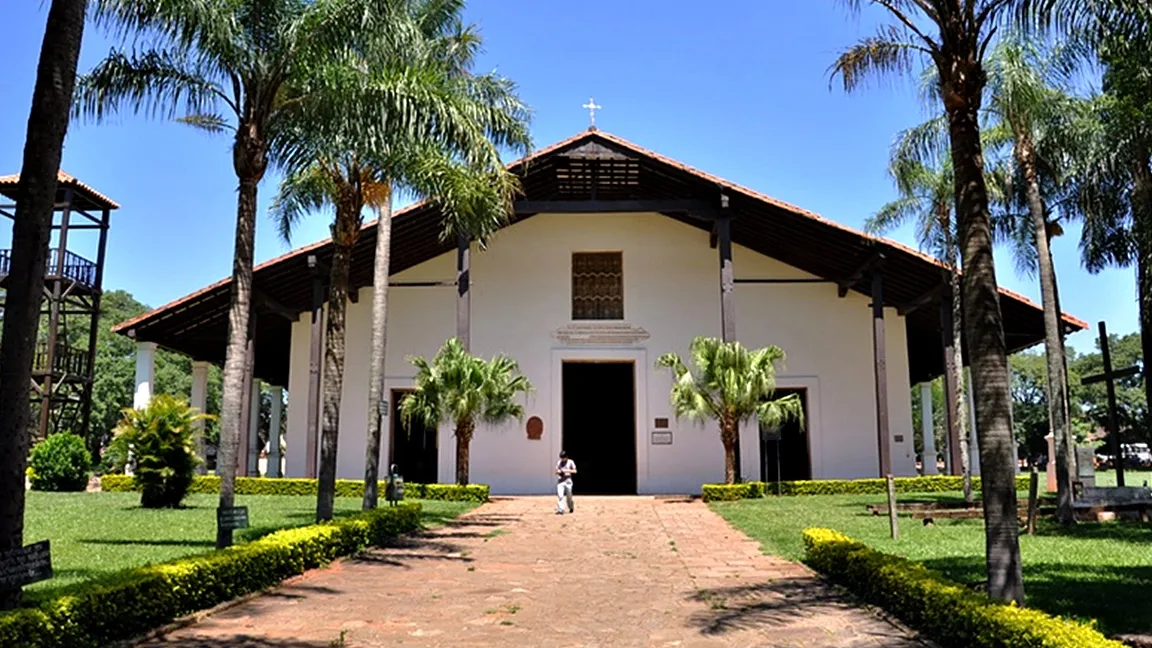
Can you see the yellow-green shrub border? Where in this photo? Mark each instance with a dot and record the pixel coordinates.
(288, 486)
(950, 614)
(134, 601)
(753, 490)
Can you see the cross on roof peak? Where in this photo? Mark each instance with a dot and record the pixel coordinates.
(592, 108)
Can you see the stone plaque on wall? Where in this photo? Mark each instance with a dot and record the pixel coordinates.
(600, 333)
(662, 437)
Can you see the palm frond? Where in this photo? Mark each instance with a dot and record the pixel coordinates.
(301, 193)
(890, 53)
(154, 82)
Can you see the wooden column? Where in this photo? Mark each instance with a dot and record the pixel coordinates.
(463, 291)
(727, 288)
(880, 361)
(244, 449)
(951, 389)
(255, 400)
(316, 348)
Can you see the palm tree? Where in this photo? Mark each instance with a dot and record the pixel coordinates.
(926, 194)
(730, 385)
(1040, 123)
(953, 37)
(473, 198)
(231, 67)
(458, 167)
(463, 389)
(31, 233)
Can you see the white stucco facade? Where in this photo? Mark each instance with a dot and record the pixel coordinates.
(521, 291)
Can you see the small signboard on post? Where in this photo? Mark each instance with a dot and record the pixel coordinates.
(232, 518)
(26, 565)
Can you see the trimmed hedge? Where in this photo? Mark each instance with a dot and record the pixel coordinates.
(931, 484)
(287, 486)
(949, 613)
(134, 601)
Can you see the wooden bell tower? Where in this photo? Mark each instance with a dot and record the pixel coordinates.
(65, 358)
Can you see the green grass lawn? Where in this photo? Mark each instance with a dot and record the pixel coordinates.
(1099, 571)
(1131, 477)
(94, 534)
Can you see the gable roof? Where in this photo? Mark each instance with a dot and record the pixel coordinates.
(85, 197)
(593, 165)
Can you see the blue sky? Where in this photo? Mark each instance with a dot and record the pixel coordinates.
(741, 93)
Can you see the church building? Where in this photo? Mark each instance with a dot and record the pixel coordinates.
(614, 256)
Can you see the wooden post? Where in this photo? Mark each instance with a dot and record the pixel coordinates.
(893, 523)
(463, 291)
(951, 389)
(1033, 487)
(316, 348)
(727, 287)
(879, 354)
(242, 460)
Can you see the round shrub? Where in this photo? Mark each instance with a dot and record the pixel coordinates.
(59, 463)
(162, 441)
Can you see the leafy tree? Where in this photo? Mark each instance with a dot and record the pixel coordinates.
(162, 439)
(730, 384)
(463, 389)
(244, 69)
(31, 233)
(953, 37)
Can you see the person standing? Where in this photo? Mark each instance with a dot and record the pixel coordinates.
(565, 468)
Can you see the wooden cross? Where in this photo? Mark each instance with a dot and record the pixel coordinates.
(592, 108)
(1109, 378)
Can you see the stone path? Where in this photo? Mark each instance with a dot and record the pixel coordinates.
(626, 571)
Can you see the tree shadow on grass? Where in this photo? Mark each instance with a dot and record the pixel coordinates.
(1116, 596)
(1120, 530)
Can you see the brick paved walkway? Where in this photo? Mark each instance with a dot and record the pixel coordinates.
(633, 571)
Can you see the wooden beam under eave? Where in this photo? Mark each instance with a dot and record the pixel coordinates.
(923, 300)
(463, 291)
(273, 307)
(858, 272)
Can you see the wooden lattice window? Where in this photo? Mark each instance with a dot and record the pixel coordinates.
(597, 286)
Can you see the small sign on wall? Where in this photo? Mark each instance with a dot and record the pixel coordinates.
(660, 423)
(662, 437)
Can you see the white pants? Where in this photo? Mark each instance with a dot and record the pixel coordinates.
(564, 494)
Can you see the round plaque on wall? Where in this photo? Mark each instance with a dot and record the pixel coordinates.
(535, 428)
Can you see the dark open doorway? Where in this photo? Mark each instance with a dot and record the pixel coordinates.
(414, 447)
(599, 425)
(784, 451)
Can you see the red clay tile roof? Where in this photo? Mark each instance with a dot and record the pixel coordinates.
(1068, 319)
(67, 180)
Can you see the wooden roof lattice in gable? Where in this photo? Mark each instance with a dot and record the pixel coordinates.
(598, 172)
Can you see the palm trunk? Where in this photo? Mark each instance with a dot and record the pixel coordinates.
(464, 429)
(1142, 226)
(343, 238)
(376, 370)
(728, 432)
(31, 232)
(1053, 336)
(987, 353)
(249, 160)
